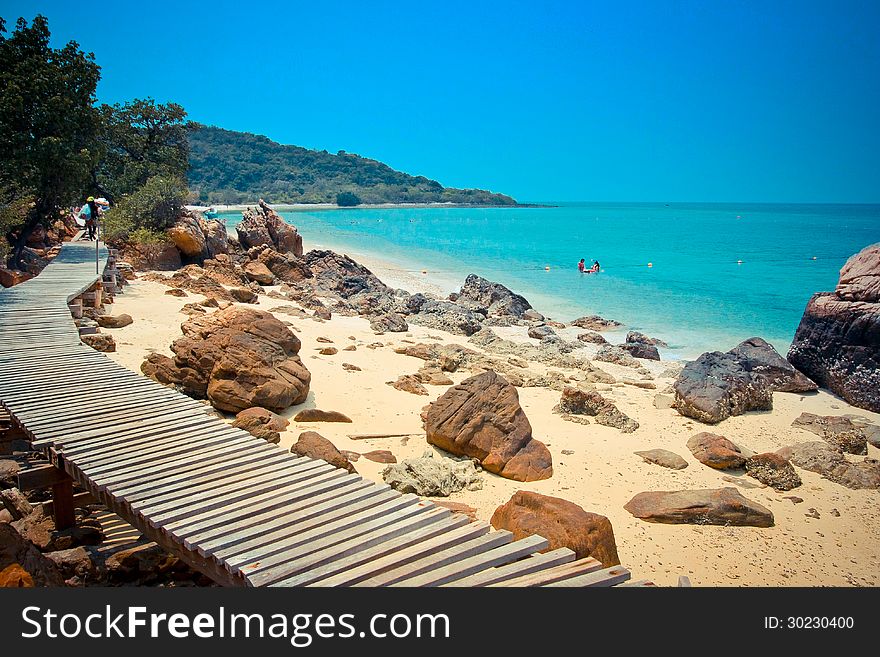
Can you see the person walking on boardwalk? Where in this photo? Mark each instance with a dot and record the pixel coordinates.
(89, 212)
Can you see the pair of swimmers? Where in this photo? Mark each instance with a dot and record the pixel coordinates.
(582, 268)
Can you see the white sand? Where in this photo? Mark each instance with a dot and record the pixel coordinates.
(601, 475)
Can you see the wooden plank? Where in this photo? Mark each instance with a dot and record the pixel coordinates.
(503, 554)
(537, 562)
(41, 476)
(438, 559)
(341, 564)
(143, 400)
(637, 583)
(79, 501)
(604, 577)
(555, 574)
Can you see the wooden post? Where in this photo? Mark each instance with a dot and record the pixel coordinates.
(62, 504)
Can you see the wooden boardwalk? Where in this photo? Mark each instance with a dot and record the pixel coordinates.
(240, 510)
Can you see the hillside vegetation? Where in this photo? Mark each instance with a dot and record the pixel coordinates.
(235, 167)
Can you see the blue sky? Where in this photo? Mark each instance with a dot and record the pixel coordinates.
(630, 101)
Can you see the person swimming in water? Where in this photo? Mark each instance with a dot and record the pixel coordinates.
(582, 268)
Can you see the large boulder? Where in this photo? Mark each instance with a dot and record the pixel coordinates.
(22, 565)
(339, 275)
(758, 356)
(431, 476)
(216, 238)
(10, 277)
(634, 337)
(448, 316)
(482, 418)
(262, 423)
(113, 321)
(286, 267)
(188, 234)
(187, 380)
(576, 401)
(247, 357)
(389, 323)
(837, 343)
(822, 458)
(562, 523)
(848, 433)
(717, 386)
(722, 506)
(315, 446)
(263, 226)
(494, 297)
(259, 273)
(641, 350)
(716, 451)
(162, 256)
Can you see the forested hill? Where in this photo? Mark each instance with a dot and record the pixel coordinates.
(236, 167)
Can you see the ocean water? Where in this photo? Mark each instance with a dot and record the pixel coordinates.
(696, 294)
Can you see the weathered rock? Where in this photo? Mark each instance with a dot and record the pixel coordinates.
(822, 458)
(494, 297)
(15, 502)
(562, 523)
(448, 316)
(641, 350)
(339, 275)
(114, 321)
(262, 225)
(759, 357)
(541, 332)
(243, 295)
(576, 401)
(611, 354)
(193, 309)
(430, 476)
(663, 401)
(722, 506)
(285, 267)
(637, 337)
(532, 315)
(717, 386)
(140, 564)
(773, 470)
(261, 423)
(10, 277)
(221, 270)
(74, 562)
(596, 323)
(22, 565)
(216, 238)
(187, 380)
(8, 475)
(328, 351)
(664, 458)
(316, 415)
(716, 451)
(390, 323)
(409, 383)
(482, 418)
(380, 456)
(591, 337)
(188, 234)
(259, 273)
(176, 292)
(99, 342)
(837, 343)
(842, 432)
(431, 373)
(247, 357)
(162, 256)
(349, 367)
(315, 446)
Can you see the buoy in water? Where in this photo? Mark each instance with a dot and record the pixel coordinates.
(546, 268)
(739, 262)
(814, 257)
(650, 264)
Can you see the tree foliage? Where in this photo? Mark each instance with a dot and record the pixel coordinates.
(235, 167)
(48, 125)
(144, 214)
(139, 140)
(347, 199)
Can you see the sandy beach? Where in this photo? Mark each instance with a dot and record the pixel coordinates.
(827, 539)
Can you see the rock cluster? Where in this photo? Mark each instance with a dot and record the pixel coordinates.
(576, 401)
(263, 226)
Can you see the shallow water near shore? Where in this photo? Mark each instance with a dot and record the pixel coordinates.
(695, 294)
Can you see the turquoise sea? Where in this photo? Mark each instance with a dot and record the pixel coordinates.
(695, 295)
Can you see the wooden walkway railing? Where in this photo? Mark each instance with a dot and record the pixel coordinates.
(238, 509)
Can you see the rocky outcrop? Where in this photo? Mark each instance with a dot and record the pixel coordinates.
(716, 451)
(759, 357)
(635, 337)
(664, 458)
(562, 523)
(187, 380)
(576, 401)
(848, 433)
(596, 323)
(822, 458)
(722, 506)
(495, 299)
(262, 225)
(837, 343)
(641, 350)
(244, 357)
(431, 476)
(261, 423)
(285, 266)
(717, 386)
(448, 316)
(315, 446)
(22, 565)
(162, 256)
(188, 234)
(540, 332)
(482, 418)
(773, 470)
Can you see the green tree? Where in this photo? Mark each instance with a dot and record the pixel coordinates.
(140, 140)
(143, 215)
(347, 199)
(48, 126)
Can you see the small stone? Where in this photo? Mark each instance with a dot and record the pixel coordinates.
(328, 351)
(350, 368)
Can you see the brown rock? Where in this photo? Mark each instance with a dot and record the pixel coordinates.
(841, 432)
(323, 313)
(187, 380)
(261, 423)
(22, 564)
(575, 401)
(773, 470)
(822, 458)
(380, 456)
(722, 506)
(482, 418)
(10, 277)
(113, 321)
(176, 292)
(562, 523)
(664, 458)
(596, 323)
(592, 337)
(99, 342)
(351, 456)
(328, 351)
(350, 368)
(263, 226)
(408, 383)
(315, 415)
(460, 508)
(258, 272)
(188, 235)
(716, 451)
(243, 295)
(315, 446)
(163, 256)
